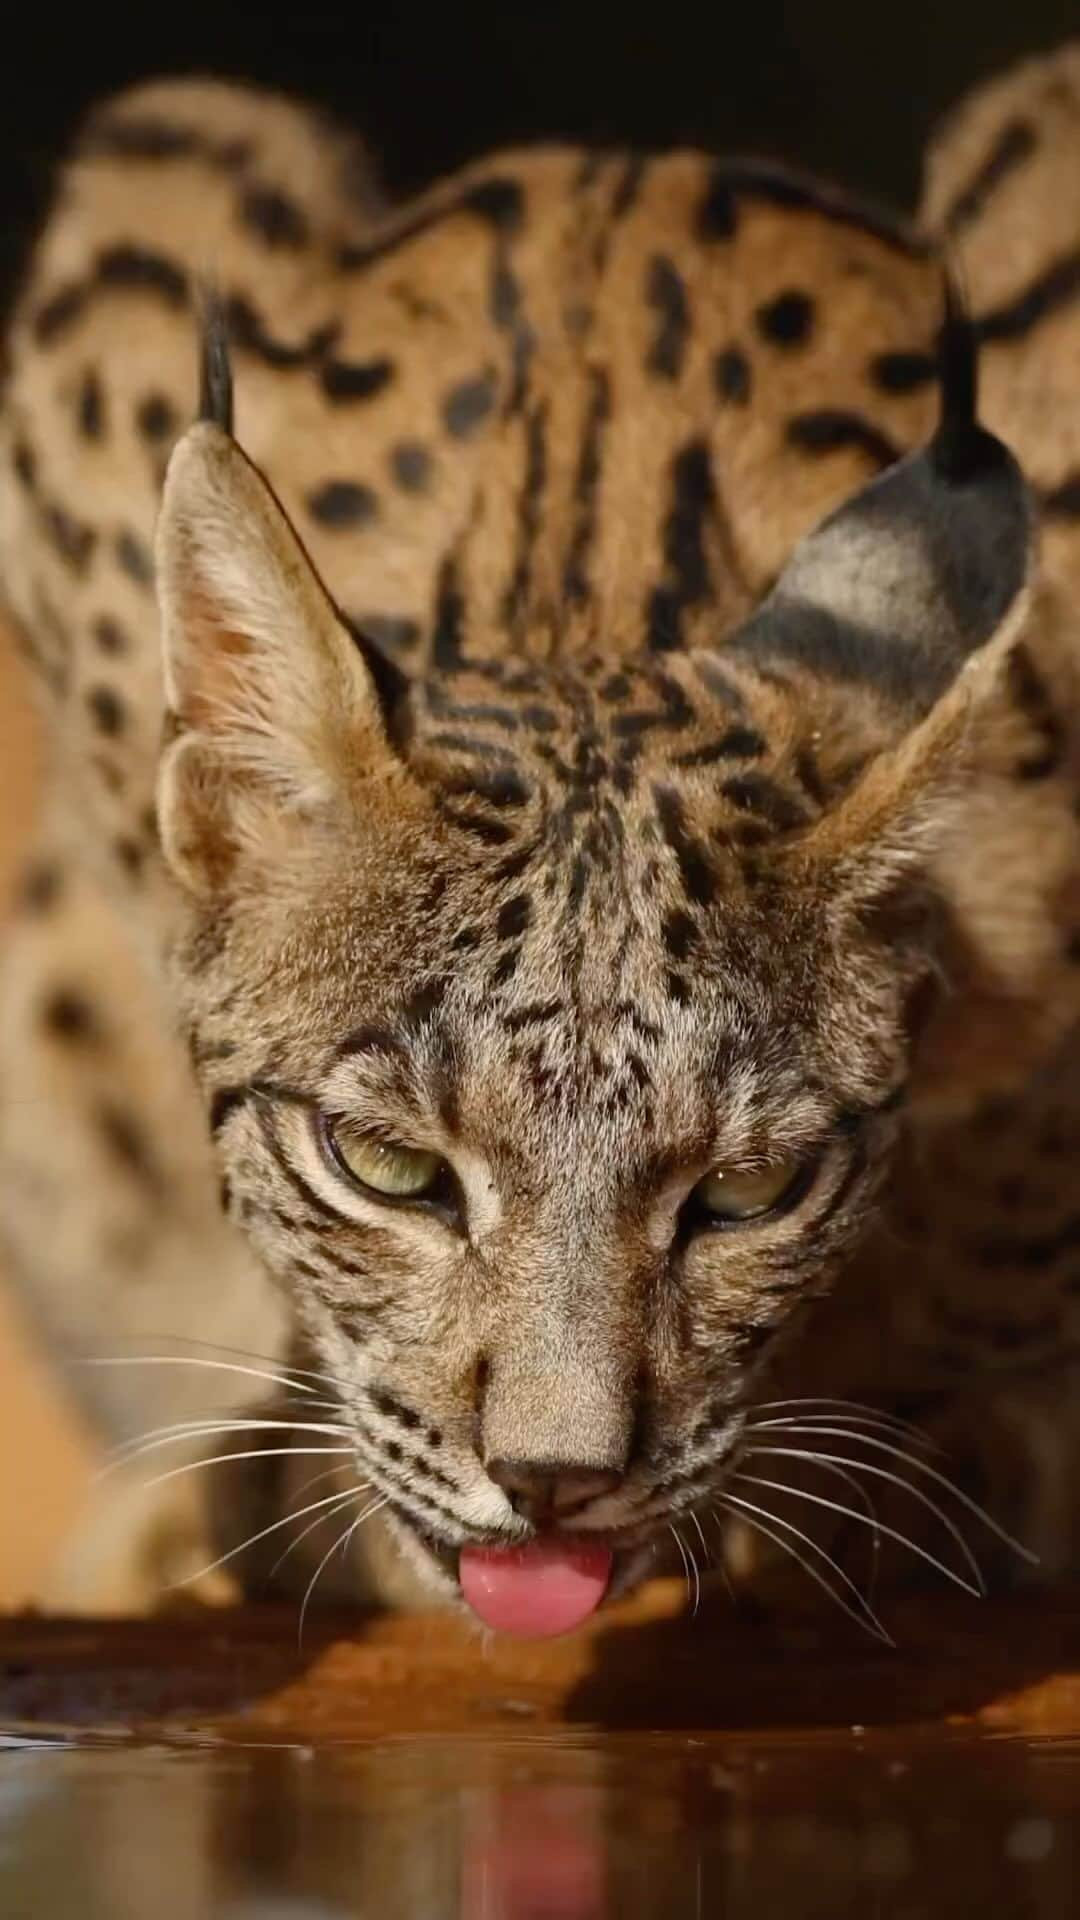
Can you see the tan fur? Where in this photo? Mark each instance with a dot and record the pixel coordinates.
(545, 440)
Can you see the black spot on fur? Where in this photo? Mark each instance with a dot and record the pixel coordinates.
(694, 866)
(342, 504)
(59, 312)
(628, 188)
(130, 856)
(1015, 143)
(677, 988)
(718, 215)
(410, 463)
(833, 429)
(666, 294)
(686, 582)
(491, 832)
(498, 201)
(468, 405)
(142, 138)
(344, 380)
(225, 1101)
(756, 793)
(274, 217)
(109, 635)
(529, 508)
(679, 932)
(904, 371)
(126, 1144)
(787, 321)
(134, 558)
(514, 917)
(505, 970)
(91, 407)
(502, 787)
(737, 743)
(41, 888)
(73, 540)
(155, 418)
(732, 377)
(1057, 286)
(68, 1016)
(575, 572)
(449, 614)
(394, 1409)
(246, 330)
(539, 1014)
(25, 465)
(1063, 501)
(139, 269)
(106, 711)
(393, 632)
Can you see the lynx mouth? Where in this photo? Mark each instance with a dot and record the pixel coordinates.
(540, 1588)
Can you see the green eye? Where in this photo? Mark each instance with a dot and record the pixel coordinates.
(384, 1166)
(730, 1194)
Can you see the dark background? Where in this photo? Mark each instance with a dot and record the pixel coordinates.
(847, 88)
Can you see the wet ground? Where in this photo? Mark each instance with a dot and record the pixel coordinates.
(655, 1766)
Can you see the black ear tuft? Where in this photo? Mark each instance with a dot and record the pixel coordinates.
(215, 369)
(960, 450)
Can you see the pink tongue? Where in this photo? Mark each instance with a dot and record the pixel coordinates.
(545, 1588)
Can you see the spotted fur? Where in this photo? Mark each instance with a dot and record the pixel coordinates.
(592, 694)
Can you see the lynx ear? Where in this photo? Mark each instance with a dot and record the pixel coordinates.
(273, 701)
(906, 605)
(905, 583)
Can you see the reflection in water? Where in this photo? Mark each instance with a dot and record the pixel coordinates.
(542, 1830)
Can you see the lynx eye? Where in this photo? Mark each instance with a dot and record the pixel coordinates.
(730, 1194)
(384, 1167)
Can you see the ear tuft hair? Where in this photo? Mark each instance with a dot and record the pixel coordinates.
(215, 367)
(961, 450)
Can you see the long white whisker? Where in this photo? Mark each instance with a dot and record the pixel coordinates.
(192, 1360)
(677, 1537)
(251, 1541)
(208, 1430)
(313, 1481)
(866, 1499)
(941, 1480)
(697, 1581)
(351, 1493)
(812, 1572)
(880, 1526)
(341, 1541)
(700, 1534)
(247, 1353)
(856, 1424)
(830, 1465)
(253, 1453)
(865, 1612)
(853, 1406)
(894, 1480)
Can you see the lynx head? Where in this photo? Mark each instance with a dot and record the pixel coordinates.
(556, 1018)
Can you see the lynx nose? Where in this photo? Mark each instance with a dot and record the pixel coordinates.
(545, 1493)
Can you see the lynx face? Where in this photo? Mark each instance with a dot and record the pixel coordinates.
(555, 1014)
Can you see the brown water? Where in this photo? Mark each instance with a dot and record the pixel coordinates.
(653, 1765)
(543, 1828)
